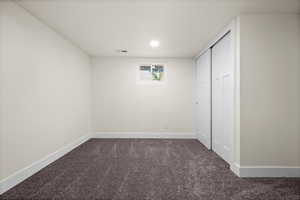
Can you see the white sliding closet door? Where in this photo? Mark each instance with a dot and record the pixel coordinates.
(203, 102)
(223, 97)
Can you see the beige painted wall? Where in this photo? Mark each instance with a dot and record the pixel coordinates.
(122, 105)
(270, 90)
(44, 90)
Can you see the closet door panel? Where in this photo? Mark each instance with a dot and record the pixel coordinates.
(217, 127)
(203, 101)
(222, 97)
(227, 115)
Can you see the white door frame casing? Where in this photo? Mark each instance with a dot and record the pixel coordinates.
(233, 28)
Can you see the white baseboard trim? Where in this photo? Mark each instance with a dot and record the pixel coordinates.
(155, 135)
(235, 168)
(265, 171)
(28, 171)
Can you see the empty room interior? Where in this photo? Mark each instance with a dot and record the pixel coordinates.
(150, 99)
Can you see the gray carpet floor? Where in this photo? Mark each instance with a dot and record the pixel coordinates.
(147, 169)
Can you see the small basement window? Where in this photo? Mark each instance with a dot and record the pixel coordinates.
(151, 73)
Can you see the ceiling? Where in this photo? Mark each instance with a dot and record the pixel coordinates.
(183, 27)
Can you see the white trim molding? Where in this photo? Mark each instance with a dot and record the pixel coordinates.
(235, 168)
(28, 171)
(157, 135)
(265, 171)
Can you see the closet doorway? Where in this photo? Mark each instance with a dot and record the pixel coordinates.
(215, 97)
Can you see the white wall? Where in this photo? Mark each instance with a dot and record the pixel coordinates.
(122, 105)
(44, 90)
(270, 90)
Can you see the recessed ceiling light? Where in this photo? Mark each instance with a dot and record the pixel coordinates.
(154, 43)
